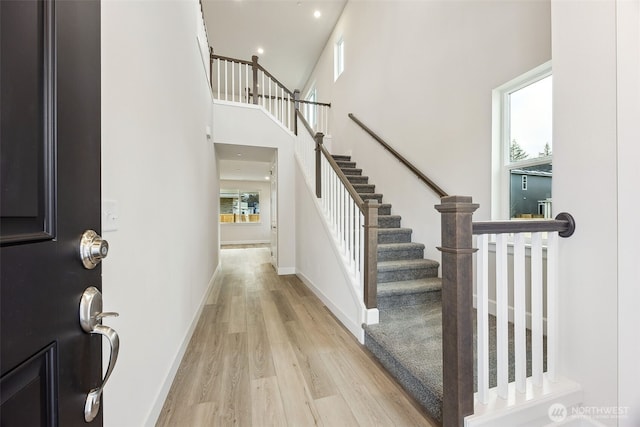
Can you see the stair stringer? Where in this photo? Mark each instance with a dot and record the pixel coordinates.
(352, 321)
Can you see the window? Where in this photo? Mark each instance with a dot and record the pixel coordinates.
(311, 109)
(239, 206)
(338, 58)
(523, 146)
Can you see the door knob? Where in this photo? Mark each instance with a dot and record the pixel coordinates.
(93, 249)
(91, 316)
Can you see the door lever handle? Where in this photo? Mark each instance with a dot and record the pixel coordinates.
(91, 316)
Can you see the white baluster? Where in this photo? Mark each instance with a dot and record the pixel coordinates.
(552, 304)
(264, 101)
(233, 81)
(246, 80)
(536, 308)
(502, 315)
(270, 100)
(519, 315)
(482, 306)
(226, 79)
(218, 77)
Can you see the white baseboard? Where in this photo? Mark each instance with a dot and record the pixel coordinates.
(527, 409)
(154, 414)
(351, 326)
(245, 242)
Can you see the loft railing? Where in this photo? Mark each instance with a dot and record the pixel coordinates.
(353, 221)
(439, 191)
(238, 80)
(457, 303)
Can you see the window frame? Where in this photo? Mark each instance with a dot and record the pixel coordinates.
(239, 192)
(338, 58)
(501, 144)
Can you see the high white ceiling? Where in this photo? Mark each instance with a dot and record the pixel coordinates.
(292, 38)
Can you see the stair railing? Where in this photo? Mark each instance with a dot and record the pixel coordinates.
(457, 304)
(439, 191)
(354, 221)
(238, 80)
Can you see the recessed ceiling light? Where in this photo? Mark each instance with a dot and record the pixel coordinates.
(317, 14)
(260, 50)
(239, 154)
(267, 178)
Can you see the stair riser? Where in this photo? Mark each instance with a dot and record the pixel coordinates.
(377, 197)
(352, 172)
(365, 188)
(400, 255)
(341, 158)
(392, 222)
(343, 164)
(384, 210)
(394, 238)
(409, 274)
(405, 300)
(358, 179)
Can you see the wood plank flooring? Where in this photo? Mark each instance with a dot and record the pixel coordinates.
(266, 352)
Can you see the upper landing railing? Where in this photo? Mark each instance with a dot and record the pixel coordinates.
(238, 80)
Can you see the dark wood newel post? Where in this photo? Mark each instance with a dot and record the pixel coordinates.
(296, 108)
(254, 68)
(211, 66)
(457, 308)
(319, 136)
(371, 253)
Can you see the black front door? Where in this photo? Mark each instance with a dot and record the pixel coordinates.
(49, 195)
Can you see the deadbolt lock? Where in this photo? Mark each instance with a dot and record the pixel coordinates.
(93, 249)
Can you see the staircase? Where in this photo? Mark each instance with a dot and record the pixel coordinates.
(408, 339)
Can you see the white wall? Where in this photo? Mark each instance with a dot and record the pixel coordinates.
(231, 128)
(159, 166)
(249, 232)
(628, 56)
(319, 264)
(585, 171)
(420, 74)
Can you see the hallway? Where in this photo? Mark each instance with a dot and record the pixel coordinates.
(266, 352)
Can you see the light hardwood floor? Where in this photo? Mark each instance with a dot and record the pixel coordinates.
(267, 352)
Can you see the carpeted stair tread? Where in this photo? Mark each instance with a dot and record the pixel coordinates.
(408, 343)
(341, 157)
(396, 251)
(346, 164)
(358, 179)
(364, 188)
(389, 221)
(371, 196)
(394, 235)
(407, 264)
(351, 171)
(429, 284)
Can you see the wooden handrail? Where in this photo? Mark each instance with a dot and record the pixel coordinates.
(229, 59)
(322, 104)
(343, 178)
(305, 123)
(439, 191)
(275, 80)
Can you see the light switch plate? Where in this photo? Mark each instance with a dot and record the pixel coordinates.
(110, 215)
